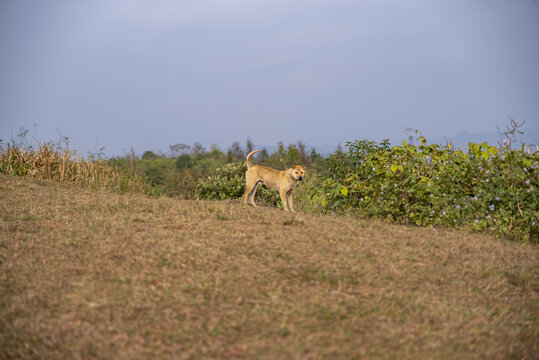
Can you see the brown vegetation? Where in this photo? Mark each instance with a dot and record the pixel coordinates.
(87, 274)
(48, 162)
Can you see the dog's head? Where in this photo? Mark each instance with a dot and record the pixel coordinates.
(298, 172)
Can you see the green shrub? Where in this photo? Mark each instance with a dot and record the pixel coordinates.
(229, 183)
(183, 161)
(149, 155)
(485, 188)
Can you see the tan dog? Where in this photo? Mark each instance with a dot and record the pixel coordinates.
(284, 181)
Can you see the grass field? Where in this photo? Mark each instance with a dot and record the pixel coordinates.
(87, 274)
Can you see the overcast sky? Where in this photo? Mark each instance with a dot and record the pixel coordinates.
(148, 74)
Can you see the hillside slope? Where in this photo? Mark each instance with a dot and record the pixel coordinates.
(88, 274)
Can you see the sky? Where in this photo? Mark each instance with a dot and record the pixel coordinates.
(150, 73)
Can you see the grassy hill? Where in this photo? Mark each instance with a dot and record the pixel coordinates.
(86, 274)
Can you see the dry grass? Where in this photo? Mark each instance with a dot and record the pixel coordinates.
(88, 274)
(49, 163)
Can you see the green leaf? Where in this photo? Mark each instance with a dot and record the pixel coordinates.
(401, 168)
(344, 191)
(411, 149)
(485, 154)
(474, 147)
(394, 167)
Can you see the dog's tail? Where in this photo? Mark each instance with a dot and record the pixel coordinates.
(249, 158)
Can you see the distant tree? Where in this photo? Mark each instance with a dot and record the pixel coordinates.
(198, 149)
(303, 155)
(184, 148)
(215, 152)
(263, 155)
(178, 149)
(339, 150)
(183, 162)
(229, 156)
(317, 160)
(149, 155)
(249, 146)
(174, 149)
(281, 154)
(237, 151)
(292, 155)
(314, 156)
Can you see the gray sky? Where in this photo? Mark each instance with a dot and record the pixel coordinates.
(154, 73)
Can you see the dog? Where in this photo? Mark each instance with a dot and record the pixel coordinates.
(284, 181)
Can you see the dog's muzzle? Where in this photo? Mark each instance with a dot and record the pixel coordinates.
(300, 178)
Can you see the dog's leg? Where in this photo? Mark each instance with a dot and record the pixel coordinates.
(282, 192)
(249, 185)
(252, 194)
(290, 201)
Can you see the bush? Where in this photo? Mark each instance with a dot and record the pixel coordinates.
(149, 155)
(485, 188)
(229, 183)
(183, 161)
